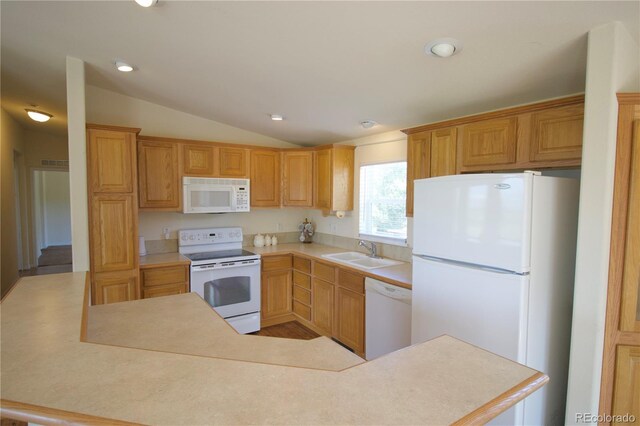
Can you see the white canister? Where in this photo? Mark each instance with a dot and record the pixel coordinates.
(267, 240)
(274, 241)
(258, 240)
(142, 247)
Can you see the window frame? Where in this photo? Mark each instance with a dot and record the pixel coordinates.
(402, 242)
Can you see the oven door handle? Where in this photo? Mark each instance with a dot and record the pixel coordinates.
(225, 265)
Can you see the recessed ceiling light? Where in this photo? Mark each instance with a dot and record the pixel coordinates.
(443, 47)
(367, 124)
(123, 66)
(38, 116)
(147, 3)
(277, 117)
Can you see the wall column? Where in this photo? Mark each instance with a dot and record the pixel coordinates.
(77, 163)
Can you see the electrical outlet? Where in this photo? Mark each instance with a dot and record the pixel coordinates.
(279, 227)
(165, 233)
(333, 228)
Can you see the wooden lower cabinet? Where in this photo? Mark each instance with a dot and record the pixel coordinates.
(626, 393)
(276, 294)
(164, 280)
(322, 307)
(349, 319)
(112, 287)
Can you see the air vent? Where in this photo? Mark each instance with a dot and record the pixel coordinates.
(214, 181)
(55, 163)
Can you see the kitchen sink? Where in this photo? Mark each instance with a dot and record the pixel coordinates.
(360, 260)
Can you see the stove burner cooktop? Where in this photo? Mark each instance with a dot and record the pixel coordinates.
(220, 254)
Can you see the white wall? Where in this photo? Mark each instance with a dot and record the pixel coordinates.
(57, 208)
(612, 66)
(381, 148)
(107, 107)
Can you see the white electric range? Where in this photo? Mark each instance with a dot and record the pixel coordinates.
(224, 275)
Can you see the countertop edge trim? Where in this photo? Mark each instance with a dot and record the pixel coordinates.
(503, 401)
(51, 416)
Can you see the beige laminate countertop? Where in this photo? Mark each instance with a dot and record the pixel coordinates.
(46, 364)
(163, 259)
(399, 275)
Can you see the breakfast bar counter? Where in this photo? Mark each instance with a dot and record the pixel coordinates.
(50, 371)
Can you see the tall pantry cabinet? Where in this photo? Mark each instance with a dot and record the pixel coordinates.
(113, 213)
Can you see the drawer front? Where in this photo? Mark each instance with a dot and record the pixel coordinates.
(301, 295)
(302, 264)
(165, 290)
(302, 310)
(302, 280)
(354, 282)
(324, 272)
(166, 275)
(274, 263)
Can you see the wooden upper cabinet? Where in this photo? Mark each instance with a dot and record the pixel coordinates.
(199, 160)
(233, 162)
(490, 142)
(323, 179)
(265, 178)
(443, 152)
(159, 179)
(418, 162)
(556, 134)
(111, 155)
(113, 232)
(297, 178)
(333, 181)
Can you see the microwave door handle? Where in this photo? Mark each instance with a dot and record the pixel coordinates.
(234, 199)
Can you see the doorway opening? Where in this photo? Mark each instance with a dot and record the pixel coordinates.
(52, 220)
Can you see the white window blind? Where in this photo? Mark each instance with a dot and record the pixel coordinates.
(383, 194)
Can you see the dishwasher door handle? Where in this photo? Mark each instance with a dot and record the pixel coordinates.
(390, 291)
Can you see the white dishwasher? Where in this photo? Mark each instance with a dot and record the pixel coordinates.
(388, 318)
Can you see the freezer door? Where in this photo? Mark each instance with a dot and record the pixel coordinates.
(482, 219)
(486, 309)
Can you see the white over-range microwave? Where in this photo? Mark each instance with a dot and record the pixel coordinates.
(214, 195)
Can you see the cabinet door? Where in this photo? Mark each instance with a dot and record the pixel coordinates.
(199, 160)
(233, 162)
(111, 161)
(418, 157)
(342, 170)
(443, 152)
(556, 134)
(350, 319)
(323, 179)
(626, 393)
(159, 181)
(322, 305)
(298, 178)
(113, 232)
(276, 293)
(490, 142)
(265, 178)
(115, 287)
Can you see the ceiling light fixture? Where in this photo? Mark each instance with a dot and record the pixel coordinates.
(443, 47)
(367, 124)
(277, 117)
(147, 3)
(38, 116)
(123, 66)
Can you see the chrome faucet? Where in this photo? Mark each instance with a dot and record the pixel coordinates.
(373, 249)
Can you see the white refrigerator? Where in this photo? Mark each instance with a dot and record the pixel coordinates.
(493, 265)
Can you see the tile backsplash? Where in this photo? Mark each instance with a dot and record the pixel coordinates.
(385, 250)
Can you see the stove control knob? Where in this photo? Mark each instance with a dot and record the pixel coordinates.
(184, 238)
(192, 237)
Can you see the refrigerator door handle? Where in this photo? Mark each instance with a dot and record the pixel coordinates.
(470, 265)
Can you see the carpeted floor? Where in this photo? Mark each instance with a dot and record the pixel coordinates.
(55, 255)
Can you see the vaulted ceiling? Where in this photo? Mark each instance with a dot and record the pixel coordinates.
(325, 66)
